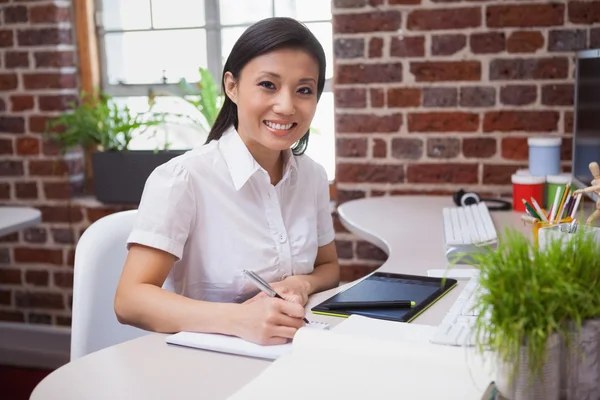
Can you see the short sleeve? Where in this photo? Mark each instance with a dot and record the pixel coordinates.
(325, 231)
(166, 212)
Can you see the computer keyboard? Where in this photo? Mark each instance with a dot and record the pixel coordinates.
(458, 326)
(468, 229)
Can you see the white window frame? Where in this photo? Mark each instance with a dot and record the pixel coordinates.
(212, 28)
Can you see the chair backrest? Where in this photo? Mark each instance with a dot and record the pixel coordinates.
(99, 258)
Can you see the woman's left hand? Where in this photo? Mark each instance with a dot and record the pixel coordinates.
(293, 288)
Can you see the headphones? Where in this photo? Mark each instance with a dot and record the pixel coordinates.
(462, 198)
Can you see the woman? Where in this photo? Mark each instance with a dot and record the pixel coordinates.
(247, 199)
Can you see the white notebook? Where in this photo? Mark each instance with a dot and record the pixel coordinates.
(234, 345)
(369, 363)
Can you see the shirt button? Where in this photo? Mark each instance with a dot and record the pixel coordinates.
(282, 238)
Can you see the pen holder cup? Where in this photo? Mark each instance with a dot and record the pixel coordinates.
(557, 232)
(539, 225)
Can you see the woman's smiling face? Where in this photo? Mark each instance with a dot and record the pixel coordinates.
(276, 98)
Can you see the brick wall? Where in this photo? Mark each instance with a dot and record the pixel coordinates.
(434, 95)
(38, 78)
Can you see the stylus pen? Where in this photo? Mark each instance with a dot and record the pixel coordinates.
(264, 286)
(354, 305)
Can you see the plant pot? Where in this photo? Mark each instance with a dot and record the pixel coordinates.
(581, 363)
(119, 177)
(515, 383)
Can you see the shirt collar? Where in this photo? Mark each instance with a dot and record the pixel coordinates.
(240, 162)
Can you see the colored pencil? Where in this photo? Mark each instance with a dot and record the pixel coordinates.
(539, 210)
(531, 210)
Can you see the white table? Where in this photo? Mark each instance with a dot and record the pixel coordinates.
(13, 219)
(409, 229)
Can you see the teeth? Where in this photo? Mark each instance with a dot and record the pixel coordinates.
(278, 126)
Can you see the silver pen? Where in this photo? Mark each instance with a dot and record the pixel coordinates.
(263, 285)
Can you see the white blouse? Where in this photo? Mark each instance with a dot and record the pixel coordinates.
(215, 209)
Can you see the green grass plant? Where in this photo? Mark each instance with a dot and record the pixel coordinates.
(531, 294)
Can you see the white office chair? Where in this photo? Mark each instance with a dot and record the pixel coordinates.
(99, 259)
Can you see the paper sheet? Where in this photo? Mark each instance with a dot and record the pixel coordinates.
(344, 364)
(234, 345)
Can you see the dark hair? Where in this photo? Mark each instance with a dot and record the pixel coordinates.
(263, 37)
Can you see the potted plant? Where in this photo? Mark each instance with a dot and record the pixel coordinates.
(105, 130)
(535, 307)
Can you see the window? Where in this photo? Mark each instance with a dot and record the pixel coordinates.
(147, 46)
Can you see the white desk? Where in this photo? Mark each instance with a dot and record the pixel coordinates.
(13, 219)
(409, 229)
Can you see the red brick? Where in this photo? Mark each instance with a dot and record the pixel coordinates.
(378, 21)
(477, 96)
(70, 262)
(446, 71)
(8, 82)
(566, 149)
(584, 12)
(63, 235)
(28, 146)
(529, 68)
(377, 98)
(54, 59)
(403, 97)
(345, 249)
(37, 123)
(61, 102)
(595, 38)
(349, 48)
(558, 95)
(10, 276)
(37, 278)
(567, 40)
(22, 103)
(366, 123)
(49, 81)
(351, 147)
(368, 73)
(39, 318)
(49, 13)
(407, 46)
(15, 14)
(41, 300)
(499, 174)
(446, 45)
(525, 42)
(63, 321)
(94, 214)
(350, 98)
(44, 36)
(63, 279)
(443, 122)
(375, 47)
(454, 18)
(443, 148)
(11, 168)
(440, 97)
(527, 121)
(350, 3)
(16, 59)
(479, 147)
(51, 148)
(403, 2)
(379, 148)
(515, 149)
(57, 190)
(5, 297)
(365, 250)
(12, 316)
(2, 105)
(442, 173)
(407, 149)
(6, 38)
(518, 95)
(369, 173)
(488, 42)
(525, 15)
(337, 224)
(48, 168)
(26, 190)
(6, 146)
(568, 122)
(69, 214)
(10, 238)
(38, 255)
(12, 125)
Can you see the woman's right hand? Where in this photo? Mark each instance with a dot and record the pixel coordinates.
(269, 321)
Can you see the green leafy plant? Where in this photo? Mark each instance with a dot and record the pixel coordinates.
(530, 294)
(204, 95)
(97, 121)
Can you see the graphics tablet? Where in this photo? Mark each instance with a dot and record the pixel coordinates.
(382, 286)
